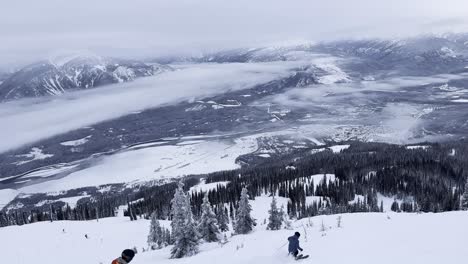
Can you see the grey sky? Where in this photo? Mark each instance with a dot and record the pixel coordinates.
(32, 29)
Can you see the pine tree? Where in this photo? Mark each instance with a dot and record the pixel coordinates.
(168, 238)
(244, 222)
(184, 233)
(156, 236)
(275, 218)
(464, 200)
(208, 227)
(285, 219)
(223, 219)
(395, 206)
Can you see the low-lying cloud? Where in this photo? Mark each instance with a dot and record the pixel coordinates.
(26, 121)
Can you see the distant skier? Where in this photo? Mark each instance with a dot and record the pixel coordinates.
(127, 256)
(86, 236)
(294, 247)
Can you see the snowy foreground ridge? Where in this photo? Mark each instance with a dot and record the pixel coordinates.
(377, 238)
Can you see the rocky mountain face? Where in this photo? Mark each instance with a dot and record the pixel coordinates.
(80, 72)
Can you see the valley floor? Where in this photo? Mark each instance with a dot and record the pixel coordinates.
(363, 238)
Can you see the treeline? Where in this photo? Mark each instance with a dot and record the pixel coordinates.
(105, 207)
(427, 179)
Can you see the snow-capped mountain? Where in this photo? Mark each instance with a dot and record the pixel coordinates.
(413, 56)
(58, 75)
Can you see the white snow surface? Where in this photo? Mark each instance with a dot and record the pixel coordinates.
(460, 101)
(338, 148)
(49, 171)
(34, 154)
(411, 238)
(72, 201)
(204, 187)
(74, 143)
(416, 147)
(6, 196)
(154, 163)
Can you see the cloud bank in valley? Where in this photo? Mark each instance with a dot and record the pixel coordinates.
(29, 120)
(33, 29)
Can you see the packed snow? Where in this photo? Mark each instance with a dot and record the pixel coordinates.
(408, 238)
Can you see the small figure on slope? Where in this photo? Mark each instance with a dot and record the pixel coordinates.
(127, 256)
(294, 247)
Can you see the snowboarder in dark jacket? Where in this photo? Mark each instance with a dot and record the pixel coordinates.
(294, 244)
(127, 256)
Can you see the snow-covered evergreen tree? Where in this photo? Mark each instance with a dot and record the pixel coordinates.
(168, 237)
(184, 232)
(464, 200)
(156, 236)
(223, 219)
(208, 226)
(285, 219)
(275, 218)
(244, 221)
(395, 207)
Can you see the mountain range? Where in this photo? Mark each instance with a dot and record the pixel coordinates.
(57, 76)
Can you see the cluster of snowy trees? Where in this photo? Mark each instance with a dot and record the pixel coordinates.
(277, 217)
(159, 236)
(187, 232)
(464, 200)
(82, 212)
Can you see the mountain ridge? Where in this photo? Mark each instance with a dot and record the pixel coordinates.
(57, 76)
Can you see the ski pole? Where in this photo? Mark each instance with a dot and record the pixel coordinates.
(282, 246)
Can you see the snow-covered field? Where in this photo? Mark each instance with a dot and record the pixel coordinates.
(6, 195)
(155, 163)
(384, 238)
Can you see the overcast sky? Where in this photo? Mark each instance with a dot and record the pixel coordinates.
(32, 29)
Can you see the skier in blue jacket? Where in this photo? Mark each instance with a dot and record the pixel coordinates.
(294, 244)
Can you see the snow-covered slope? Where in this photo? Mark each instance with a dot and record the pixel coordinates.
(363, 239)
